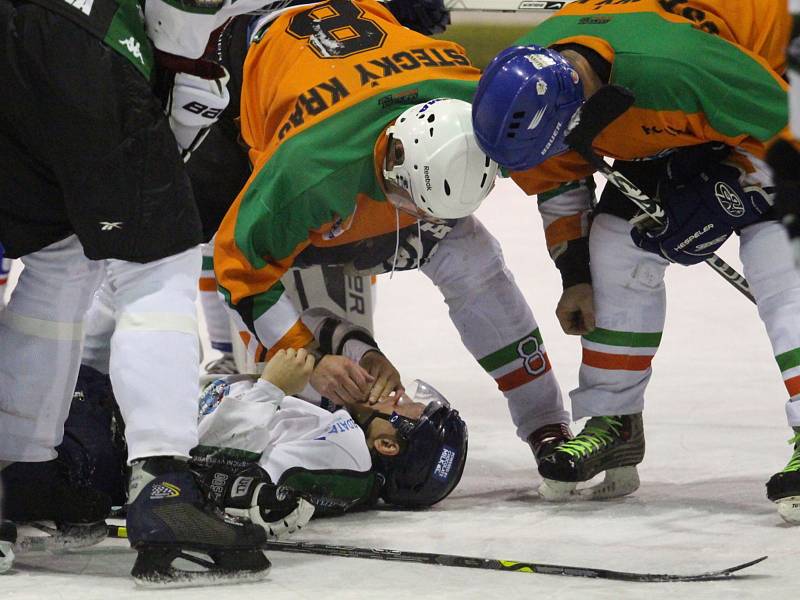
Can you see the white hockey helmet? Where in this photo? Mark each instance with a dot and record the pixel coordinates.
(443, 169)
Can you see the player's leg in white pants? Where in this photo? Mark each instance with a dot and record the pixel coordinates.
(100, 323)
(41, 332)
(496, 324)
(154, 352)
(769, 268)
(630, 304)
(214, 309)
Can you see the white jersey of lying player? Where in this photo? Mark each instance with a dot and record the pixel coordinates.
(281, 433)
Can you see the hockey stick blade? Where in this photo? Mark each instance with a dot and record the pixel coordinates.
(604, 107)
(452, 560)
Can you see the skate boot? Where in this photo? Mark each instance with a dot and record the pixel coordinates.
(8, 537)
(611, 444)
(41, 492)
(546, 439)
(784, 488)
(170, 520)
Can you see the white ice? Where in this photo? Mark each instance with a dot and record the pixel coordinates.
(715, 430)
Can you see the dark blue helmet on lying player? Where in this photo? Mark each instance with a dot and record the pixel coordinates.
(431, 463)
(524, 102)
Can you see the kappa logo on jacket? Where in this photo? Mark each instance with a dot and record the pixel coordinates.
(133, 46)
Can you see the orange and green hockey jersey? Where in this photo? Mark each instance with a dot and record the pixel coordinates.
(320, 87)
(701, 71)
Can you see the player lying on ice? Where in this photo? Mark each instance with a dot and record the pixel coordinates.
(709, 100)
(264, 455)
(408, 451)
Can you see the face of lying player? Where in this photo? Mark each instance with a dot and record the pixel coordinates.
(381, 435)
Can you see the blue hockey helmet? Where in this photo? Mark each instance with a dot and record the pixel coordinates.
(525, 99)
(432, 462)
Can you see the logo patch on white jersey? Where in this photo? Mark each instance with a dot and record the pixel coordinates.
(537, 118)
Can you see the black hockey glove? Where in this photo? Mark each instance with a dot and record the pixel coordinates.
(701, 214)
(249, 494)
(423, 16)
(784, 159)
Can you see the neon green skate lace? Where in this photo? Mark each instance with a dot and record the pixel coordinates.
(593, 437)
(794, 462)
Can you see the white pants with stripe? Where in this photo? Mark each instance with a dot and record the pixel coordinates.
(496, 324)
(153, 356)
(630, 305)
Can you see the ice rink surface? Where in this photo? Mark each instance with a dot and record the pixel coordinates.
(715, 429)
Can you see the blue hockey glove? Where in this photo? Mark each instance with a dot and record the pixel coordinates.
(701, 214)
(427, 17)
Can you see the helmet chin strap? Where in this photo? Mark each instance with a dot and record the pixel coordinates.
(396, 240)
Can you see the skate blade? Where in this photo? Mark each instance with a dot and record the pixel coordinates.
(6, 556)
(177, 578)
(789, 509)
(551, 490)
(69, 537)
(160, 567)
(616, 483)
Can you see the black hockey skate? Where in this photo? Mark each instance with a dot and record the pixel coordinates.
(36, 493)
(611, 444)
(546, 439)
(784, 488)
(169, 519)
(8, 537)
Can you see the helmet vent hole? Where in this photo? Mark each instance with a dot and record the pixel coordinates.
(416, 167)
(431, 131)
(483, 181)
(488, 161)
(431, 118)
(421, 197)
(511, 134)
(515, 125)
(446, 187)
(416, 141)
(519, 115)
(403, 120)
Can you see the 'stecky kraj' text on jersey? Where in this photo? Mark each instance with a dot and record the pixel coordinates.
(320, 87)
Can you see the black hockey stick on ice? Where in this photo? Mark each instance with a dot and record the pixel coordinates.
(493, 564)
(598, 112)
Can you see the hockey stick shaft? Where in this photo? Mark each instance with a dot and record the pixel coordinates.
(597, 113)
(544, 6)
(493, 564)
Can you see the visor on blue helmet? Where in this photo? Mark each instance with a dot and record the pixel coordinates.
(525, 99)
